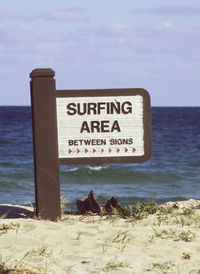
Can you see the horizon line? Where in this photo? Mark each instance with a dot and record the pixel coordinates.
(151, 106)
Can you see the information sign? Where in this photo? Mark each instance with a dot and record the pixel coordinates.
(102, 126)
(83, 127)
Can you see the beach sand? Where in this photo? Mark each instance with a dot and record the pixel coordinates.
(160, 243)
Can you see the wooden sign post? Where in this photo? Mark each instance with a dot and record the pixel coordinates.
(46, 165)
(83, 127)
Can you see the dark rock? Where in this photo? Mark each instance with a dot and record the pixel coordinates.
(112, 203)
(89, 204)
(94, 206)
(175, 205)
(83, 206)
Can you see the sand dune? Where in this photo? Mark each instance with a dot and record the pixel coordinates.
(160, 243)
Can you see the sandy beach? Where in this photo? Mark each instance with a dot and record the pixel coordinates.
(160, 243)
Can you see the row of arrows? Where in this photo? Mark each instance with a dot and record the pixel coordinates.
(102, 150)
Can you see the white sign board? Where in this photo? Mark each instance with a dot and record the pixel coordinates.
(100, 126)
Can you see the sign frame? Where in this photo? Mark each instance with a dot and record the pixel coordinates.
(114, 93)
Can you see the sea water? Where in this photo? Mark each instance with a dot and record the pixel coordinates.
(172, 173)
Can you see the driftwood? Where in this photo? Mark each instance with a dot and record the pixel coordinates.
(90, 204)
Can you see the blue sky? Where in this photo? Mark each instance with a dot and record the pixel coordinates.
(102, 44)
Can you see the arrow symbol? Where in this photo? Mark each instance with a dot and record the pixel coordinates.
(134, 149)
(78, 150)
(110, 149)
(126, 149)
(118, 150)
(94, 150)
(102, 150)
(86, 150)
(70, 151)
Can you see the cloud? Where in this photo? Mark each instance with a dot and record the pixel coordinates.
(166, 26)
(169, 10)
(108, 46)
(111, 55)
(148, 42)
(13, 16)
(114, 29)
(108, 41)
(77, 14)
(70, 15)
(27, 40)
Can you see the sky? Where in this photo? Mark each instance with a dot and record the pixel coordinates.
(93, 44)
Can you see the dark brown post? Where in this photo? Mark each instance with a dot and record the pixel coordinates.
(47, 185)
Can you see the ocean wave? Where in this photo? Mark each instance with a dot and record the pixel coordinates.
(98, 168)
(11, 185)
(72, 169)
(109, 174)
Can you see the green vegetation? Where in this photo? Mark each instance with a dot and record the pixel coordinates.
(14, 270)
(121, 238)
(141, 210)
(63, 203)
(164, 267)
(114, 265)
(186, 236)
(5, 227)
(21, 267)
(3, 268)
(188, 211)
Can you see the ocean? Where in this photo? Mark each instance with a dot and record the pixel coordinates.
(172, 173)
